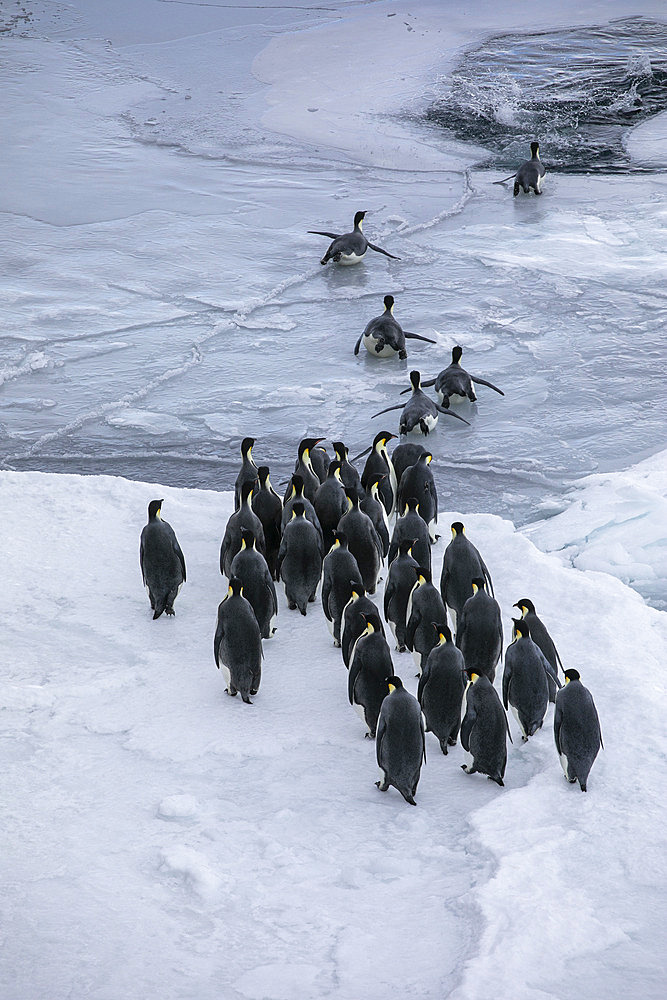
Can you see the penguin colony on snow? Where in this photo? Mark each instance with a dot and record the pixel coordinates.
(333, 526)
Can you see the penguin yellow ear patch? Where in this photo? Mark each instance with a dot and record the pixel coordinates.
(391, 688)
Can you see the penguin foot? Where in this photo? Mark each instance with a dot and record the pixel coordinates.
(369, 736)
(524, 739)
(253, 691)
(382, 785)
(311, 599)
(401, 649)
(232, 692)
(170, 612)
(291, 605)
(464, 767)
(402, 355)
(337, 643)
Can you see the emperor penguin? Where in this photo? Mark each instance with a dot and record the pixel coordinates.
(539, 634)
(370, 668)
(350, 247)
(525, 684)
(479, 634)
(339, 569)
(244, 517)
(400, 582)
(411, 525)
(363, 541)
(404, 455)
(454, 384)
(530, 175)
(400, 744)
(304, 468)
(251, 568)
(424, 607)
(300, 560)
(576, 729)
(379, 463)
(417, 481)
(330, 504)
(268, 507)
(461, 564)
(297, 495)
(320, 461)
(237, 645)
(419, 413)
(376, 510)
(384, 337)
(484, 730)
(162, 561)
(248, 472)
(441, 688)
(348, 473)
(353, 622)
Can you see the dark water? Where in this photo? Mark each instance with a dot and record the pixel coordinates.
(576, 90)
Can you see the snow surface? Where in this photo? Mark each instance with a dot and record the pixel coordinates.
(162, 839)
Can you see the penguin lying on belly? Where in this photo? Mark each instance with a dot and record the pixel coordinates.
(384, 337)
(350, 247)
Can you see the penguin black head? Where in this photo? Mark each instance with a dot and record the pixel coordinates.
(424, 574)
(235, 586)
(456, 354)
(154, 509)
(572, 675)
(525, 606)
(341, 538)
(479, 583)
(415, 378)
(246, 445)
(373, 622)
(352, 496)
(263, 474)
(442, 630)
(520, 627)
(357, 588)
(246, 491)
(412, 503)
(382, 438)
(334, 467)
(307, 444)
(358, 219)
(458, 528)
(247, 538)
(297, 485)
(394, 683)
(340, 450)
(376, 480)
(534, 149)
(389, 303)
(298, 510)
(405, 545)
(425, 458)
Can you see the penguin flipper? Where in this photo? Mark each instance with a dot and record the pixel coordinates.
(482, 381)
(388, 594)
(487, 575)
(358, 345)
(320, 232)
(450, 413)
(388, 410)
(411, 628)
(181, 558)
(418, 336)
(507, 673)
(467, 726)
(505, 179)
(385, 252)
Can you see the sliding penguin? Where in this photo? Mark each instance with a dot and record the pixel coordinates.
(376, 510)
(237, 645)
(400, 744)
(411, 526)
(363, 541)
(353, 622)
(268, 507)
(484, 730)
(419, 413)
(251, 568)
(300, 560)
(348, 473)
(441, 688)
(384, 337)
(461, 564)
(525, 684)
(454, 384)
(304, 468)
(401, 580)
(161, 560)
(417, 481)
(379, 463)
(424, 607)
(350, 247)
(244, 517)
(479, 633)
(248, 473)
(370, 668)
(576, 729)
(330, 504)
(339, 569)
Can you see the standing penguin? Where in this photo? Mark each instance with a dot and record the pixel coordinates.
(330, 504)
(350, 247)
(250, 567)
(237, 645)
(297, 496)
(304, 468)
(401, 580)
(370, 668)
(363, 541)
(379, 463)
(419, 413)
(300, 560)
(384, 337)
(412, 525)
(248, 473)
(539, 634)
(479, 635)
(244, 517)
(320, 460)
(268, 507)
(525, 684)
(376, 510)
(441, 688)
(576, 729)
(424, 607)
(348, 473)
(353, 622)
(454, 384)
(404, 455)
(552, 671)
(339, 569)
(400, 743)
(461, 564)
(484, 730)
(531, 172)
(417, 481)
(161, 560)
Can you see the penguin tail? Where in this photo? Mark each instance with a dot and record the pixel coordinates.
(160, 607)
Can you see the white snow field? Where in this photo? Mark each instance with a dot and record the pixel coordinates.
(163, 839)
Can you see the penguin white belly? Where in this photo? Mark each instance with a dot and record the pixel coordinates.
(330, 624)
(456, 397)
(540, 182)
(432, 525)
(563, 764)
(349, 258)
(430, 420)
(359, 709)
(468, 760)
(516, 716)
(272, 626)
(226, 673)
(386, 352)
(417, 657)
(452, 612)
